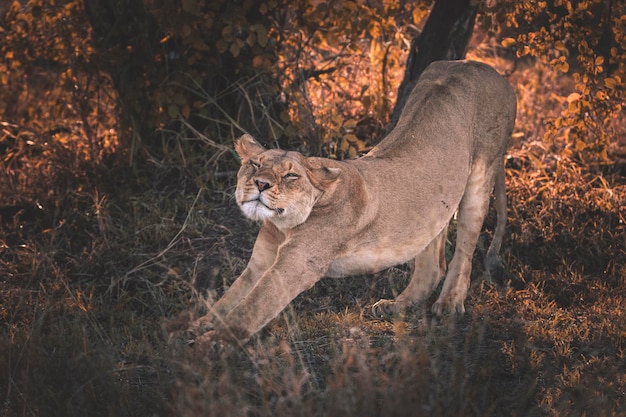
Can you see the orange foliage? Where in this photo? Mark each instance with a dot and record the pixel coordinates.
(309, 73)
(339, 65)
(51, 93)
(58, 113)
(587, 41)
(318, 73)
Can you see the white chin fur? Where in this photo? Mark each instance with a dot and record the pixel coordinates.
(255, 210)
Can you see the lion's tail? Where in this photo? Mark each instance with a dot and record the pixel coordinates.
(492, 259)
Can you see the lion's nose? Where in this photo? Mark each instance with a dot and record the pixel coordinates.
(262, 185)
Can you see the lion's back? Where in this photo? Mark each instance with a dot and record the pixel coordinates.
(479, 97)
(454, 105)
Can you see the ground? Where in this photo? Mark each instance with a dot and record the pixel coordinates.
(86, 285)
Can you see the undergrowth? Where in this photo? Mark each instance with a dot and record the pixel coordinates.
(87, 283)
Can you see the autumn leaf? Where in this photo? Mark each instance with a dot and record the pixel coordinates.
(350, 138)
(344, 145)
(507, 42)
(349, 124)
(234, 49)
(573, 97)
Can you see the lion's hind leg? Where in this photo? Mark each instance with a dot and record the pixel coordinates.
(430, 266)
(492, 260)
(472, 212)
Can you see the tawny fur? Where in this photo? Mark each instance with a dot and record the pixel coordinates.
(329, 218)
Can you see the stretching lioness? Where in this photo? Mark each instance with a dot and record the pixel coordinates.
(329, 218)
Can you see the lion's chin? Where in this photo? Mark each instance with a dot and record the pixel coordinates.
(256, 210)
(283, 218)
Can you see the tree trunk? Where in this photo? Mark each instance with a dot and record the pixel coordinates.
(445, 37)
(127, 40)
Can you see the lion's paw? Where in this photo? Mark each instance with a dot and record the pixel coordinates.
(384, 309)
(177, 331)
(442, 307)
(186, 332)
(205, 341)
(181, 338)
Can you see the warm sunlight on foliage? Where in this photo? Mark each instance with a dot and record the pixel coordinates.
(322, 72)
(587, 41)
(338, 62)
(59, 113)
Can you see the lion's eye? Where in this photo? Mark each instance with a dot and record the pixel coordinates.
(255, 165)
(291, 176)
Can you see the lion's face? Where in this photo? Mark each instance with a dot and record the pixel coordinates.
(275, 186)
(278, 186)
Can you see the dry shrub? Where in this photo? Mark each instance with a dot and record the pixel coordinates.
(565, 252)
(432, 369)
(567, 214)
(566, 257)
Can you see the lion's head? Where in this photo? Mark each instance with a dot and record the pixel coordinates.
(279, 186)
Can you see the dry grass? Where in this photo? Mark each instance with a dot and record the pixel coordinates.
(87, 284)
(88, 277)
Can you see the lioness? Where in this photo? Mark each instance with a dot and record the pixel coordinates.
(326, 218)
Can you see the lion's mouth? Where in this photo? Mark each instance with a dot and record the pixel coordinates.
(277, 210)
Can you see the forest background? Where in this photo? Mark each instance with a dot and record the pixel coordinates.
(116, 211)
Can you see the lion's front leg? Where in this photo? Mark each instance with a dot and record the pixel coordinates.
(289, 276)
(263, 256)
(231, 298)
(274, 291)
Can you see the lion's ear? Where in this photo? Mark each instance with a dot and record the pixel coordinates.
(246, 147)
(320, 172)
